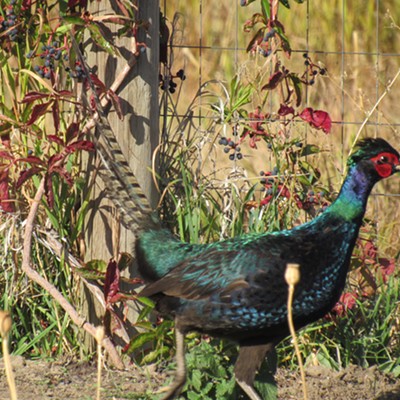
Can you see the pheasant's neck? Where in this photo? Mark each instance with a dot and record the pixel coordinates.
(352, 199)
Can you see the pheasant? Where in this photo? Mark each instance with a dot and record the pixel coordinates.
(235, 288)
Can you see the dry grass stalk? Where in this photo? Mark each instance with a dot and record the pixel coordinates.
(5, 327)
(99, 339)
(292, 277)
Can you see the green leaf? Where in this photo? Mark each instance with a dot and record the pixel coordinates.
(265, 7)
(146, 301)
(266, 383)
(73, 20)
(196, 379)
(309, 149)
(139, 341)
(153, 355)
(297, 87)
(96, 265)
(100, 40)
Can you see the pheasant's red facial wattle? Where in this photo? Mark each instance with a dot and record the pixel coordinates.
(385, 163)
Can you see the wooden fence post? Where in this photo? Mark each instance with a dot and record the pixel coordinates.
(137, 133)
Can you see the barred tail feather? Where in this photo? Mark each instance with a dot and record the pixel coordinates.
(120, 183)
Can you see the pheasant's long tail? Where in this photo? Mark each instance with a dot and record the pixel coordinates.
(121, 185)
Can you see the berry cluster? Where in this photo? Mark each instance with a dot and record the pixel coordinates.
(276, 188)
(231, 148)
(272, 186)
(50, 54)
(9, 23)
(312, 70)
(78, 72)
(168, 83)
(314, 199)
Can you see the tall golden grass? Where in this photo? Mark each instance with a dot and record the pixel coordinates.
(357, 43)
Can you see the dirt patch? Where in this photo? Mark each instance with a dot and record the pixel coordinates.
(40, 380)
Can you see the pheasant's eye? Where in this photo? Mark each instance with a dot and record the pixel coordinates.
(383, 160)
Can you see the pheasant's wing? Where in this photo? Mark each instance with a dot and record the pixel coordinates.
(217, 270)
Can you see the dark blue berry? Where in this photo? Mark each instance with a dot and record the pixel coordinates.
(227, 150)
(181, 74)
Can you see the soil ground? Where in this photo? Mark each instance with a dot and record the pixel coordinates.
(41, 380)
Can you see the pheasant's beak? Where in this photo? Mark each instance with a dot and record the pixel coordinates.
(397, 168)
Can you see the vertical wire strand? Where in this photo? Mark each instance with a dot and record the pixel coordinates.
(342, 72)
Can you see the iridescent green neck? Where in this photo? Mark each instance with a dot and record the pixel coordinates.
(352, 199)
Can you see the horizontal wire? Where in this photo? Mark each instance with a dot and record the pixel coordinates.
(219, 48)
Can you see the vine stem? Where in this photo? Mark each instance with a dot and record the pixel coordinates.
(51, 289)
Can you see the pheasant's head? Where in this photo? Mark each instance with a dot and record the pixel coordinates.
(376, 157)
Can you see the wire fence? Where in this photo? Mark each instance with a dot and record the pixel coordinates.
(357, 42)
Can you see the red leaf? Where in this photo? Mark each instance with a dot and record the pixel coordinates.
(5, 204)
(55, 139)
(97, 83)
(38, 111)
(31, 160)
(6, 155)
(274, 80)
(72, 132)
(111, 284)
(346, 302)
(33, 96)
(388, 266)
(26, 174)
(80, 145)
(48, 188)
(55, 109)
(65, 93)
(285, 110)
(55, 161)
(317, 119)
(64, 174)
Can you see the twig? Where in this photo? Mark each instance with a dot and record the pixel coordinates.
(370, 112)
(292, 276)
(51, 289)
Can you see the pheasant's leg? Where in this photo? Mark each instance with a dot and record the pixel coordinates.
(175, 387)
(247, 364)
